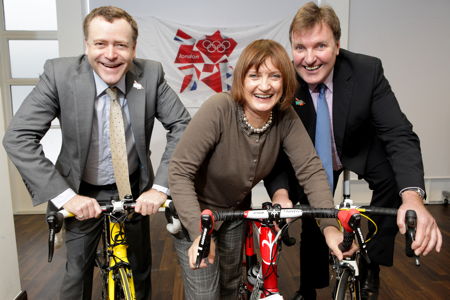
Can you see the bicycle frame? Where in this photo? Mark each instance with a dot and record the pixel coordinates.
(116, 256)
(350, 265)
(266, 274)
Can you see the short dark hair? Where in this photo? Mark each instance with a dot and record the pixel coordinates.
(310, 14)
(109, 13)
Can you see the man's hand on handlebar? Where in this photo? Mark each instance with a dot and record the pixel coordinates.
(149, 202)
(192, 254)
(281, 197)
(334, 237)
(428, 235)
(83, 207)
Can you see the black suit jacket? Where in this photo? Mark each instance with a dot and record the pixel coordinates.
(369, 127)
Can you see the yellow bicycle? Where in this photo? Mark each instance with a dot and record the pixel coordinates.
(111, 258)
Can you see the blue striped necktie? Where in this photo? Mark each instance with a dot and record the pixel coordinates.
(323, 134)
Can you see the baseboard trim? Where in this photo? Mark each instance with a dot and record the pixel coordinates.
(22, 296)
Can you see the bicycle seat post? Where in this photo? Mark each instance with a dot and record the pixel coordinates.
(346, 202)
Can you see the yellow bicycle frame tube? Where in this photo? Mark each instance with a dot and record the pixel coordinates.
(119, 254)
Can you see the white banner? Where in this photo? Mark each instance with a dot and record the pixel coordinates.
(199, 61)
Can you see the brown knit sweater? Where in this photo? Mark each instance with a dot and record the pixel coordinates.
(217, 161)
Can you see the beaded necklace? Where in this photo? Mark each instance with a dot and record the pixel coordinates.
(257, 130)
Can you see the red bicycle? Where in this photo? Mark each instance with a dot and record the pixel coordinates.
(261, 277)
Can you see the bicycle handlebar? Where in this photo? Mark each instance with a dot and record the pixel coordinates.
(350, 222)
(55, 219)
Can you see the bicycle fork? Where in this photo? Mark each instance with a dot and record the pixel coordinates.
(117, 252)
(262, 281)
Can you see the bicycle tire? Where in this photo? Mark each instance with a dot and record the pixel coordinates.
(104, 283)
(244, 293)
(347, 288)
(100, 262)
(123, 290)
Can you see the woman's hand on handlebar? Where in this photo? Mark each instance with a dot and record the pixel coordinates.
(334, 237)
(83, 207)
(192, 254)
(149, 202)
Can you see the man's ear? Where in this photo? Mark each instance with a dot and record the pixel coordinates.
(85, 47)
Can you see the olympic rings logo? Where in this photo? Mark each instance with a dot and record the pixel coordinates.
(216, 46)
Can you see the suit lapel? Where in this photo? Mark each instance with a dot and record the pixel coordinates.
(304, 107)
(342, 96)
(135, 95)
(84, 97)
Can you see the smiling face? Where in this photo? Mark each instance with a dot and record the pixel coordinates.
(263, 89)
(110, 48)
(314, 52)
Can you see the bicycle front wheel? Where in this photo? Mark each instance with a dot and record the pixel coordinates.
(347, 287)
(124, 287)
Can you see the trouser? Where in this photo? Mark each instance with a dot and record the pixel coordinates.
(314, 269)
(221, 279)
(81, 240)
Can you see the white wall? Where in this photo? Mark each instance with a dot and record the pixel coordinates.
(201, 12)
(413, 40)
(9, 273)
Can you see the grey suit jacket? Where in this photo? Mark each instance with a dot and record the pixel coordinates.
(66, 90)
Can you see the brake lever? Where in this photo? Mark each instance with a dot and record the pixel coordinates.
(351, 221)
(55, 222)
(360, 237)
(205, 239)
(285, 237)
(411, 224)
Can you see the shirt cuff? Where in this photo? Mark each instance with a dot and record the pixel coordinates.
(418, 190)
(63, 198)
(161, 189)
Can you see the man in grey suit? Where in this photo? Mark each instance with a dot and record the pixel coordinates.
(73, 90)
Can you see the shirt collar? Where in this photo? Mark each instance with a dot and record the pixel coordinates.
(101, 86)
(328, 82)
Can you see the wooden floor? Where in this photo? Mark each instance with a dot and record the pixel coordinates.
(41, 280)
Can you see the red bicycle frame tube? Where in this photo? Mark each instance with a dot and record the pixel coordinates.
(268, 246)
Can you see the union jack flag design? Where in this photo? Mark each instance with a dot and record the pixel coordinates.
(205, 60)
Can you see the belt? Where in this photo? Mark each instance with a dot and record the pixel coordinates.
(111, 186)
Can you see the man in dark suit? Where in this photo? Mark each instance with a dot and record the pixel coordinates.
(370, 136)
(74, 91)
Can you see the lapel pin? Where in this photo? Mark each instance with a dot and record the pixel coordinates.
(299, 102)
(137, 85)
